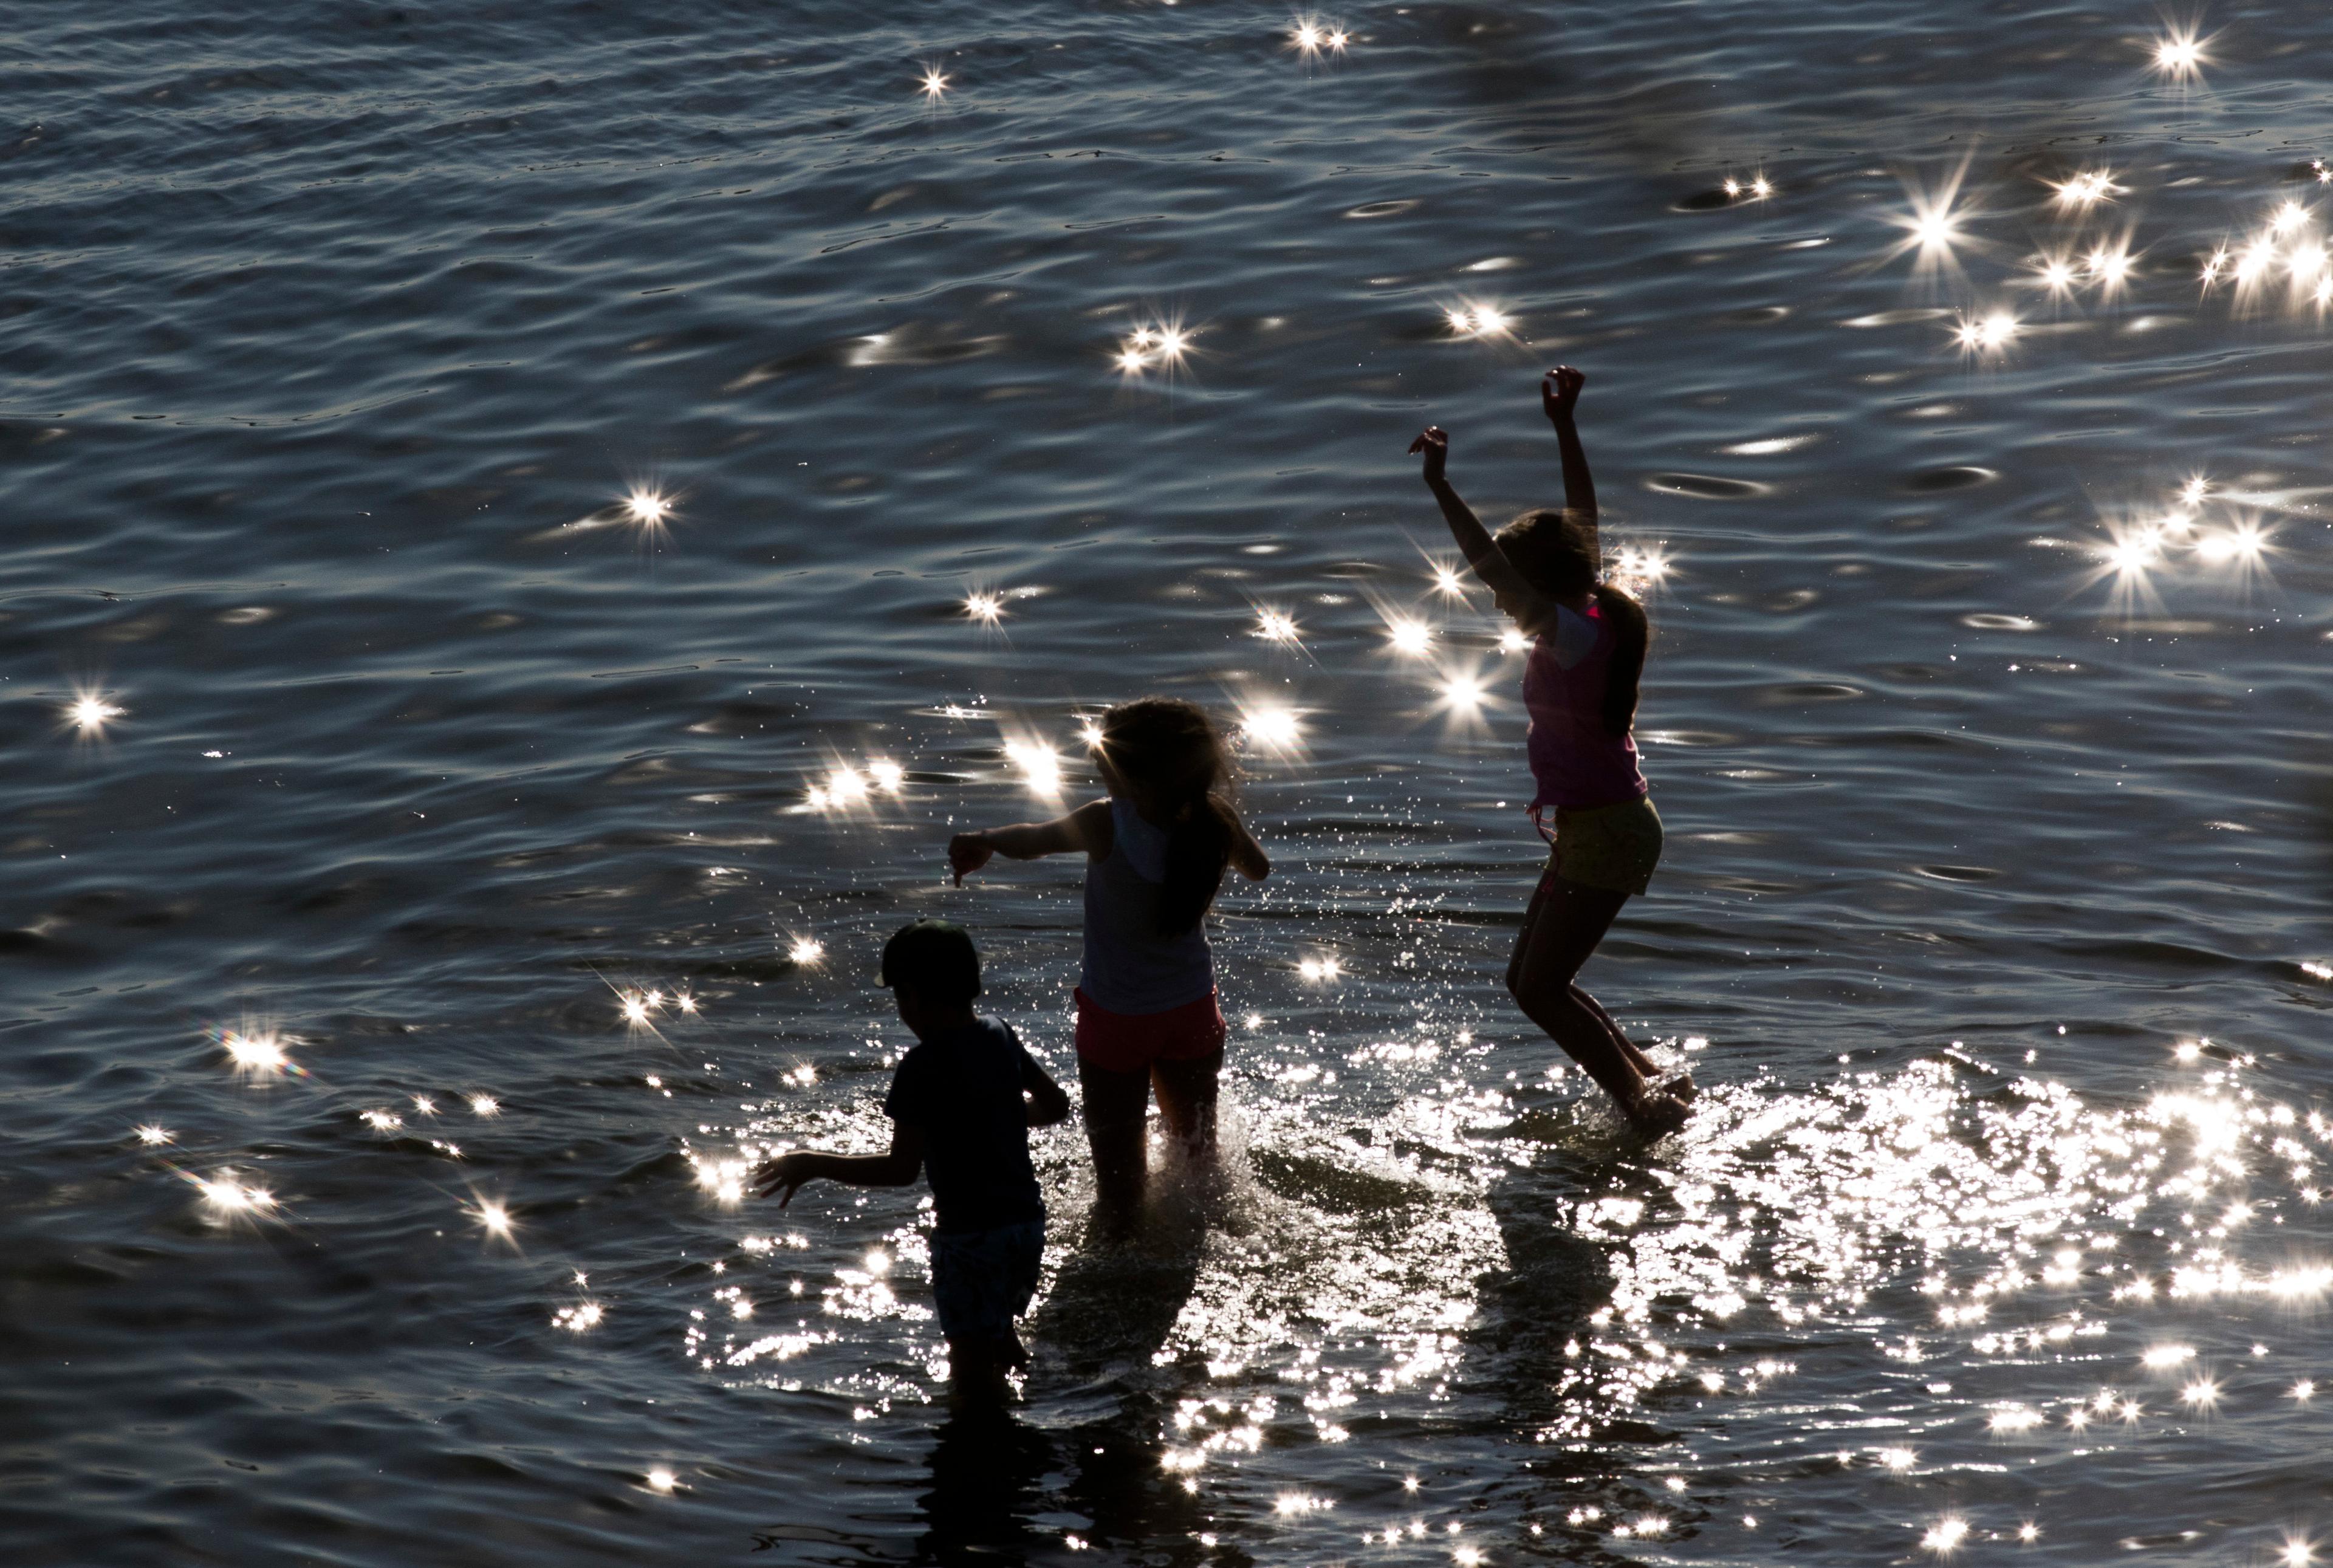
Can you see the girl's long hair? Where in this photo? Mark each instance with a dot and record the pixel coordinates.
(1170, 750)
(1556, 553)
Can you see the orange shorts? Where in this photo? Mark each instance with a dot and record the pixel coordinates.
(1132, 1041)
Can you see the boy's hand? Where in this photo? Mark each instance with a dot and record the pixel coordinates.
(1559, 391)
(782, 1176)
(967, 852)
(1434, 442)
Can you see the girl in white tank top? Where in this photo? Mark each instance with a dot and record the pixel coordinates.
(1156, 852)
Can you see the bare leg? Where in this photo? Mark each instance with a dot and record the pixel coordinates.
(976, 1370)
(1115, 1106)
(1540, 899)
(1643, 1064)
(1187, 1093)
(1566, 921)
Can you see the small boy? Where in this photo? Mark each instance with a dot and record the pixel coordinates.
(961, 1105)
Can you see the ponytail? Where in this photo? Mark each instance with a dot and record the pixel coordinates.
(1631, 632)
(1197, 850)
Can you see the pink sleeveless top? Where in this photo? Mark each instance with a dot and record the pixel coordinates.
(1576, 761)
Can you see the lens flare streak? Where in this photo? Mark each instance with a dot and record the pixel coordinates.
(1988, 333)
(1934, 226)
(227, 1195)
(1408, 636)
(1474, 319)
(259, 1055)
(1311, 38)
(1040, 766)
(89, 713)
(2179, 56)
(1157, 346)
(1277, 626)
(1271, 727)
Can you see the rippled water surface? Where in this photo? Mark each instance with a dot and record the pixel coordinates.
(503, 484)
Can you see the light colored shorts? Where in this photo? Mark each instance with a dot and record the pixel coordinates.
(1614, 848)
(983, 1279)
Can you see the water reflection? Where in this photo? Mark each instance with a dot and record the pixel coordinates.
(1934, 226)
(647, 507)
(1408, 636)
(1987, 1232)
(1991, 331)
(1310, 38)
(2087, 188)
(260, 1056)
(492, 1217)
(89, 712)
(1156, 346)
(228, 1195)
(2179, 54)
(987, 1469)
(1277, 626)
(1475, 319)
(1271, 726)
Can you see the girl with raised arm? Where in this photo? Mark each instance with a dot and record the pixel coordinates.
(1545, 571)
(1156, 851)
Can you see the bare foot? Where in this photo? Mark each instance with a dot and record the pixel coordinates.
(1678, 1085)
(1659, 1113)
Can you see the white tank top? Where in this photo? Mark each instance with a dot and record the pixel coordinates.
(1130, 967)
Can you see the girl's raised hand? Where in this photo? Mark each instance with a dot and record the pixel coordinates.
(1434, 442)
(1558, 390)
(967, 852)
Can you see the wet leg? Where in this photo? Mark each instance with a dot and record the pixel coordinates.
(1187, 1093)
(1115, 1106)
(976, 1372)
(1678, 1083)
(1566, 921)
(1643, 1064)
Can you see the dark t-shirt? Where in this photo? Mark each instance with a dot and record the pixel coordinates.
(964, 1090)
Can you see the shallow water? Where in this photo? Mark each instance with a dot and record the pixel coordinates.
(335, 341)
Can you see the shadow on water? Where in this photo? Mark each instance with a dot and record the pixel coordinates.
(987, 1468)
(994, 1476)
(1113, 1305)
(1533, 1318)
(1115, 1481)
(1554, 1281)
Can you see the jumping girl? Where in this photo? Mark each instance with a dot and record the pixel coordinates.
(1156, 851)
(1545, 571)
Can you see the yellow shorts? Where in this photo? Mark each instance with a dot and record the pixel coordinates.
(1614, 848)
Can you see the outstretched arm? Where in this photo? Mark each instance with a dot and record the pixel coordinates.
(785, 1175)
(1559, 395)
(1086, 828)
(1481, 552)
